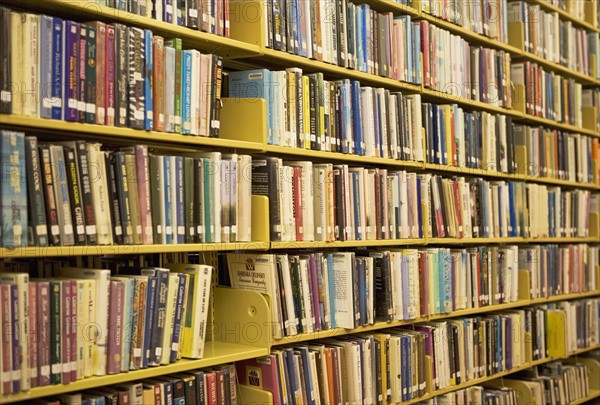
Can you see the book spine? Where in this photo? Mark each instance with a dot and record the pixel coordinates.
(191, 20)
(179, 312)
(122, 63)
(37, 208)
(157, 198)
(43, 340)
(168, 210)
(147, 70)
(86, 193)
(65, 296)
(177, 44)
(110, 70)
(159, 83)
(45, 66)
(115, 319)
(55, 333)
(136, 70)
(82, 63)
(143, 181)
(71, 67)
(116, 216)
(148, 330)
(215, 123)
(14, 189)
(58, 59)
(123, 201)
(5, 62)
(189, 197)
(160, 316)
(100, 64)
(63, 203)
(186, 94)
(75, 195)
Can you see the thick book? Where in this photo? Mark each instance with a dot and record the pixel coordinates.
(35, 194)
(61, 191)
(74, 186)
(6, 98)
(266, 181)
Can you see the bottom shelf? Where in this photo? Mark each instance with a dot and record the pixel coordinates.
(593, 395)
(215, 353)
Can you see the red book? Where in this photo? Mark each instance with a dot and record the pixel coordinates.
(261, 373)
(33, 336)
(5, 326)
(226, 18)
(43, 327)
(109, 82)
(211, 388)
(425, 50)
(115, 327)
(159, 80)
(297, 193)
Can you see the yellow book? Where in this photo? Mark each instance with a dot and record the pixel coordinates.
(556, 333)
(306, 110)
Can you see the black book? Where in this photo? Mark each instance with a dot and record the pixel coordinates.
(160, 314)
(87, 198)
(115, 212)
(339, 208)
(5, 61)
(266, 181)
(74, 183)
(118, 163)
(35, 194)
(191, 19)
(357, 263)
(121, 75)
(189, 388)
(135, 77)
(215, 109)
(382, 281)
(350, 35)
(157, 198)
(90, 76)
(200, 387)
(51, 205)
(313, 110)
(378, 377)
(297, 291)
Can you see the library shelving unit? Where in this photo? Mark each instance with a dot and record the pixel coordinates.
(243, 128)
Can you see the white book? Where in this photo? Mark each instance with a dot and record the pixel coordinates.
(195, 96)
(170, 89)
(171, 309)
(102, 298)
(308, 322)
(194, 332)
(244, 199)
(99, 182)
(214, 190)
(343, 287)
(30, 67)
(283, 268)
(320, 201)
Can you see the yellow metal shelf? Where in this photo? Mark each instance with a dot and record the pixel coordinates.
(345, 244)
(555, 124)
(555, 67)
(435, 317)
(54, 251)
(88, 10)
(80, 130)
(470, 241)
(440, 97)
(593, 395)
(284, 59)
(215, 353)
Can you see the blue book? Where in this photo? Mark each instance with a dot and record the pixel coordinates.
(329, 263)
(362, 291)
(177, 322)
(512, 228)
(360, 21)
(416, 48)
(122, 5)
(186, 92)
(304, 354)
(58, 35)
(46, 59)
(148, 115)
(442, 138)
(13, 189)
(254, 84)
(288, 358)
(293, 42)
(405, 355)
(346, 119)
(168, 203)
(71, 75)
(359, 143)
(150, 318)
(160, 304)
(302, 14)
(179, 233)
(436, 134)
(168, 10)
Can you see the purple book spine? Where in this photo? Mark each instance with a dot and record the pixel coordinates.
(73, 335)
(66, 331)
(16, 348)
(115, 330)
(43, 318)
(71, 76)
(314, 285)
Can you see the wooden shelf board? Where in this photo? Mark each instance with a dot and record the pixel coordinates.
(554, 124)
(284, 59)
(344, 157)
(215, 353)
(81, 130)
(83, 10)
(435, 317)
(54, 251)
(510, 176)
(345, 244)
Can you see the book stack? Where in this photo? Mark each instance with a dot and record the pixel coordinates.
(547, 94)
(473, 139)
(217, 385)
(468, 71)
(206, 16)
(320, 291)
(306, 111)
(77, 193)
(482, 16)
(104, 74)
(476, 395)
(557, 154)
(573, 325)
(86, 323)
(559, 269)
(556, 40)
(346, 34)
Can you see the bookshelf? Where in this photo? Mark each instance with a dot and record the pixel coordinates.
(244, 129)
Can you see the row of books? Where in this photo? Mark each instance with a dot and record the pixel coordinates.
(484, 17)
(554, 383)
(317, 291)
(212, 386)
(476, 395)
(546, 35)
(337, 202)
(106, 74)
(346, 34)
(78, 193)
(207, 16)
(547, 94)
(454, 66)
(390, 365)
(560, 269)
(306, 111)
(556, 154)
(86, 323)
(574, 8)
